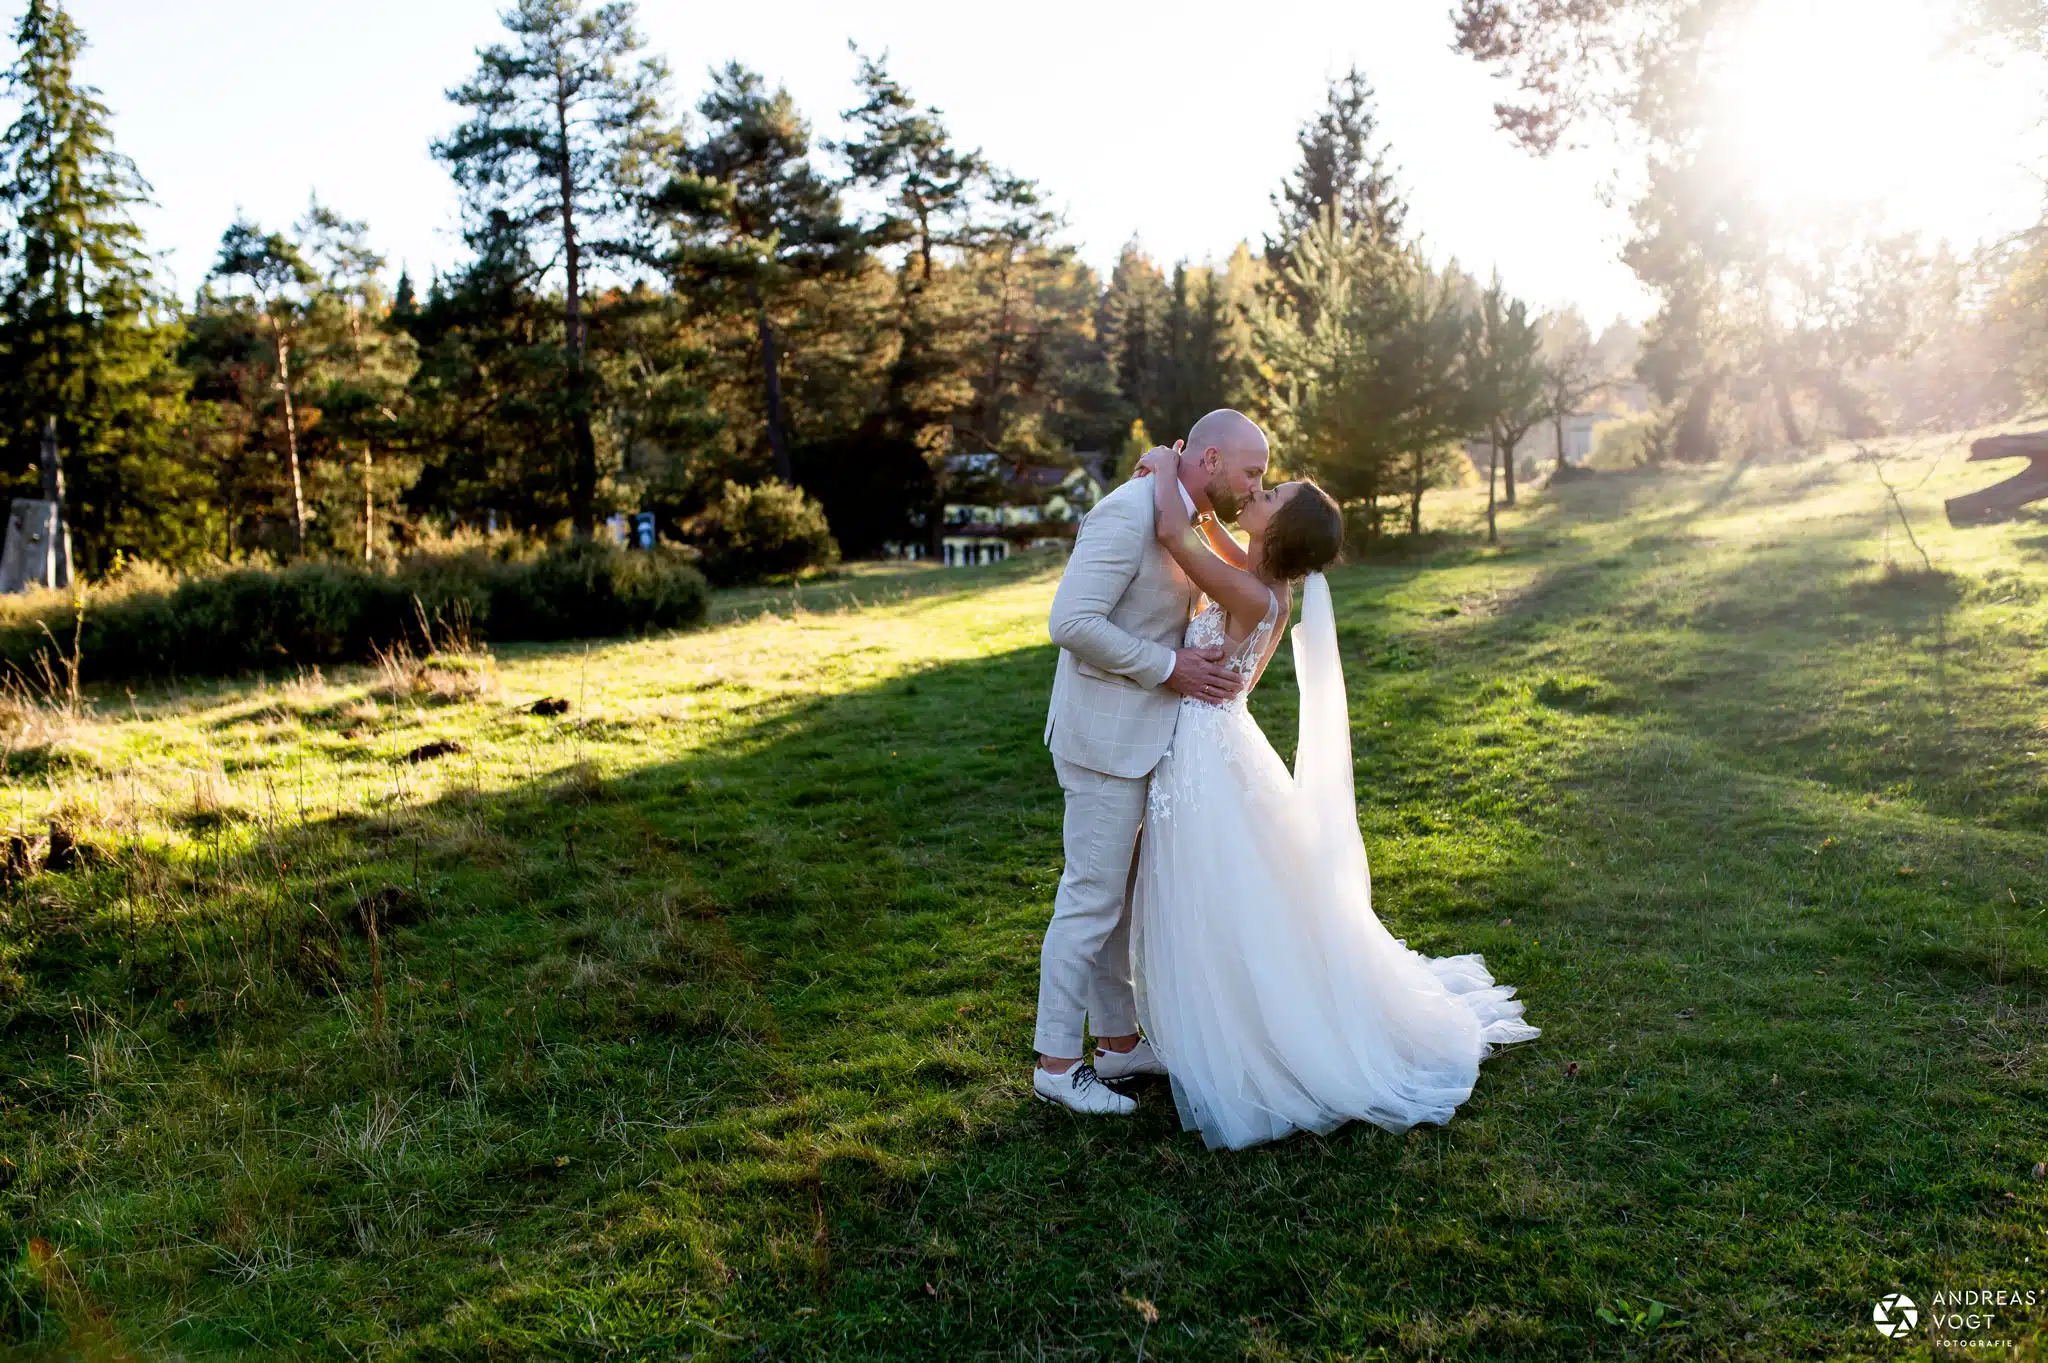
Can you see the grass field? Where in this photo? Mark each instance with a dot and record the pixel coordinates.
(695, 1021)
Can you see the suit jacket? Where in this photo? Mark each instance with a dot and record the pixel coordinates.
(1120, 612)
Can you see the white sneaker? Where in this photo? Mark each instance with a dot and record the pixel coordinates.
(1079, 1090)
(1140, 1059)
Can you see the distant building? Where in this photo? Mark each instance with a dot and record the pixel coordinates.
(1002, 506)
(1538, 449)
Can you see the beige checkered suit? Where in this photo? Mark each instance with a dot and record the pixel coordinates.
(1120, 612)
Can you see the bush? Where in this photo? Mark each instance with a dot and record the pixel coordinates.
(145, 624)
(582, 589)
(752, 533)
(1625, 443)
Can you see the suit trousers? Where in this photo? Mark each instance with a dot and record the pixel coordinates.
(1084, 969)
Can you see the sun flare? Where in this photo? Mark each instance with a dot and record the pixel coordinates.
(1846, 104)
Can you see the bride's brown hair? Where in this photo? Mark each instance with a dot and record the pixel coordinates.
(1304, 535)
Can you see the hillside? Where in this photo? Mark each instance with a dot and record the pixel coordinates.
(695, 1020)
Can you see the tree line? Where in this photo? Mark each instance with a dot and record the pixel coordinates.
(657, 308)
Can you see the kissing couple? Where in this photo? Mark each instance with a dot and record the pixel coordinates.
(1233, 947)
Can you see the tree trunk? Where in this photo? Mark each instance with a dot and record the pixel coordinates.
(771, 374)
(1492, 462)
(1693, 440)
(369, 512)
(1787, 417)
(1558, 422)
(1415, 490)
(998, 352)
(583, 475)
(291, 435)
(1851, 406)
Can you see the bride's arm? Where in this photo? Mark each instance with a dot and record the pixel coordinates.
(1226, 546)
(1242, 595)
(1221, 540)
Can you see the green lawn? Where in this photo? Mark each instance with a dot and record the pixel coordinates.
(698, 1018)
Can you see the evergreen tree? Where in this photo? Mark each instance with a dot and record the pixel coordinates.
(1343, 167)
(1042, 382)
(365, 367)
(1011, 263)
(903, 151)
(857, 451)
(762, 219)
(82, 330)
(281, 281)
(299, 381)
(1244, 279)
(1197, 340)
(566, 138)
(1369, 383)
(488, 392)
(1132, 321)
(904, 155)
(1504, 368)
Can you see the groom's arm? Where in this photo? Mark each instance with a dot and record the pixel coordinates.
(1106, 555)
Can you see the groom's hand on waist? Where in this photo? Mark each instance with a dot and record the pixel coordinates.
(1199, 674)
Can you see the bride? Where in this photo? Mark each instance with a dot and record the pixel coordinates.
(1269, 989)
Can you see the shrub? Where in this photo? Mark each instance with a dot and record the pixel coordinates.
(752, 533)
(1625, 443)
(143, 623)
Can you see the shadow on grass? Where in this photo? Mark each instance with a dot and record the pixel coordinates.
(720, 1050)
(726, 1054)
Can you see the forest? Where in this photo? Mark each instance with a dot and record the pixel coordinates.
(671, 304)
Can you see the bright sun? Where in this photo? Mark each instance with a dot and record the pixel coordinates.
(1837, 104)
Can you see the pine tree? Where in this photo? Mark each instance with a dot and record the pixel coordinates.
(279, 277)
(1042, 381)
(365, 366)
(762, 218)
(1343, 169)
(82, 329)
(1132, 321)
(488, 391)
(1369, 382)
(565, 141)
(1014, 264)
(1342, 165)
(1196, 343)
(904, 152)
(1504, 366)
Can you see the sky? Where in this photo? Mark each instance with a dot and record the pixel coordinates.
(1173, 123)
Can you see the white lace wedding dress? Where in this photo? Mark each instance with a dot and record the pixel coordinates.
(1265, 982)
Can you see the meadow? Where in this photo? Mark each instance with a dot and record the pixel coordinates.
(694, 1020)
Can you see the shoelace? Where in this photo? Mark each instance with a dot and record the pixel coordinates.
(1084, 1075)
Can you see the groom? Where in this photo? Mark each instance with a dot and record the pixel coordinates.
(1119, 618)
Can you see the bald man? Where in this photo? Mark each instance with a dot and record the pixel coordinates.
(1120, 617)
